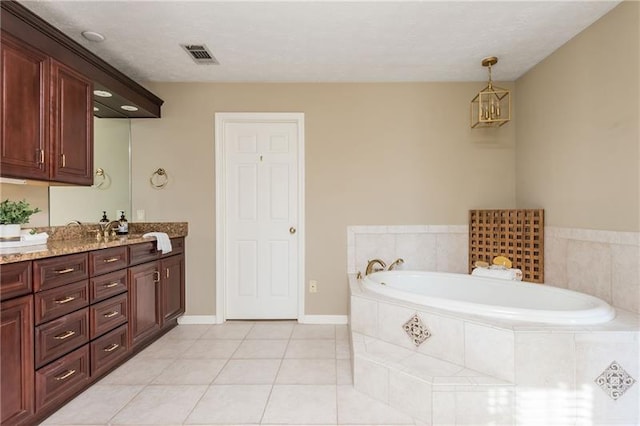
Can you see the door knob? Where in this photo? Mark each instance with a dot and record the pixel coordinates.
(292, 230)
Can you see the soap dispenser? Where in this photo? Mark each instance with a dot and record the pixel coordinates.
(104, 217)
(123, 227)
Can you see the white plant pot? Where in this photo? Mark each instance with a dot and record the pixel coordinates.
(9, 231)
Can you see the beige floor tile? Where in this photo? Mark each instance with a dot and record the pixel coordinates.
(314, 331)
(311, 349)
(343, 372)
(271, 330)
(301, 404)
(96, 405)
(166, 348)
(188, 332)
(307, 372)
(228, 330)
(137, 371)
(231, 404)
(212, 349)
(356, 408)
(248, 372)
(343, 349)
(160, 405)
(261, 349)
(190, 372)
(342, 332)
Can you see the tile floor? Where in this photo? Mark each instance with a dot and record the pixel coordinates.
(249, 373)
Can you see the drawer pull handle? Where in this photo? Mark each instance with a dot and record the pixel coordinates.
(65, 271)
(112, 259)
(66, 375)
(112, 347)
(157, 276)
(65, 335)
(65, 300)
(113, 284)
(111, 314)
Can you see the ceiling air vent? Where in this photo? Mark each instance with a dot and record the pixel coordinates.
(200, 54)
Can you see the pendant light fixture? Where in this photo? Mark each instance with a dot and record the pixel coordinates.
(492, 105)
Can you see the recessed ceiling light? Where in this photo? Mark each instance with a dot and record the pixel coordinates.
(96, 109)
(129, 108)
(93, 36)
(102, 93)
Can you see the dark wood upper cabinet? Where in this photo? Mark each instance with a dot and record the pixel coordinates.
(25, 115)
(71, 126)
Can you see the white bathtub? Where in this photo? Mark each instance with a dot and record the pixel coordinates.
(491, 297)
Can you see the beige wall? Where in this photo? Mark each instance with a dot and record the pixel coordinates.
(387, 154)
(577, 135)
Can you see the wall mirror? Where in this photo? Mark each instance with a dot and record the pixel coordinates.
(111, 190)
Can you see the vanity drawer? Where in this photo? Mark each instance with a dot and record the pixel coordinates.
(61, 335)
(15, 280)
(108, 350)
(62, 378)
(58, 301)
(60, 270)
(108, 285)
(107, 315)
(108, 260)
(143, 252)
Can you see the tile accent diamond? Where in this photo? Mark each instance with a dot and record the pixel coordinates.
(416, 330)
(615, 380)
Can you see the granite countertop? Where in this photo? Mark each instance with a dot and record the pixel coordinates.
(80, 243)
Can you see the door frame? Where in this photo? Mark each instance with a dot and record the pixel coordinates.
(221, 119)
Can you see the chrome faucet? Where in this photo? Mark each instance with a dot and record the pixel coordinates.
(371, 266)
(397, 262)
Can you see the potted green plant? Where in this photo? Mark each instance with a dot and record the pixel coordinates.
(12, 215)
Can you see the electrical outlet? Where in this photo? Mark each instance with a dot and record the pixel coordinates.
(313, 286)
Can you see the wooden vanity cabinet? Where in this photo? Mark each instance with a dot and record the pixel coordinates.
(46, 122)
(16, 362)
(145, 318)
(172, 292)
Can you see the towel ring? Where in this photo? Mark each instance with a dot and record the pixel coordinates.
(105, 183)
(159, 179)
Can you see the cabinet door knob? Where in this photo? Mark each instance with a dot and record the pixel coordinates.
(292, 230)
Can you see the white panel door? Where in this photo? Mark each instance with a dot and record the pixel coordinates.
(261, 163)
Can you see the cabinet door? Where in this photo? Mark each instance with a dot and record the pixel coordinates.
(16, 362)
(72, 126)
(172, 294)
(24, 93)
(144, 302)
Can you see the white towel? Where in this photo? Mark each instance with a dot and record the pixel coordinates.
(163, 243)
(512, 274)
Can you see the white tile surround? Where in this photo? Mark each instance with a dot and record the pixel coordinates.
(478, 371)
(605, 264)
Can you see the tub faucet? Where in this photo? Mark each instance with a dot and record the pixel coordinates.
(399, 261)
(371, 266)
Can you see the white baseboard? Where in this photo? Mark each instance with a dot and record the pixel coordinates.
(197, 319)
(324, 319)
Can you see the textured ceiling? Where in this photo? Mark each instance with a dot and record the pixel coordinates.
(323, 41)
